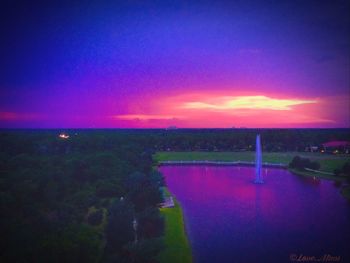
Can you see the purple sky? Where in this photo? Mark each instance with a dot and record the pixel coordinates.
(142, 63)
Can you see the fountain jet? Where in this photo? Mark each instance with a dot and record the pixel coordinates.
(258, 161)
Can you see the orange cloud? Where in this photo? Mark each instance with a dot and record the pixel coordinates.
(246, 102)
(145, 117)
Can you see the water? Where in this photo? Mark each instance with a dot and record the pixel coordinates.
(230, 219)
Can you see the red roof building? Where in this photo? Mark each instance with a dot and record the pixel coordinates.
(335, 144)
(337, 147)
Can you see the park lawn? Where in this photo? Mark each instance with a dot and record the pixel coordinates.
(328, 162)
(329, 165)
(204, 156)
(177, 246)
(274, 157)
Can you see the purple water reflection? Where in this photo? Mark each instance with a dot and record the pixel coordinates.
(231, 219)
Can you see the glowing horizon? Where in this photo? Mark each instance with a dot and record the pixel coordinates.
(217, 111)
(212, 110)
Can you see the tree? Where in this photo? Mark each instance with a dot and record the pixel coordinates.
(95, 218)
(76, 243)
(144, 251)
(119, 229)
(150, 223)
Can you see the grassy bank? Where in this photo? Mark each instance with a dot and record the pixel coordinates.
(328, 162)
(345, 191)
(318, 175)
(177, 245)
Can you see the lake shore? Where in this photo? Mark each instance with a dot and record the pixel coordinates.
(176, 241)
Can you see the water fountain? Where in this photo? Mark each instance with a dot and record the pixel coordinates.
(258, 161)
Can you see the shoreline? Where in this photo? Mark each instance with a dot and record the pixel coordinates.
(344, 190)
(177, 245)
(220, 163)
(318, 175)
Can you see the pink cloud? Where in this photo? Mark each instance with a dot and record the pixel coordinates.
(247, 109)
(15, 116)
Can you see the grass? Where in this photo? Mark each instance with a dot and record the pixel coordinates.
(202, 156)
(177, 245)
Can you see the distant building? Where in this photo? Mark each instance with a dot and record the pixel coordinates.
(311, 149)
(336, 147)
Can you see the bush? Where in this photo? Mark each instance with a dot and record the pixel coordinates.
(302, 163)
(295, 163)
(315, 165)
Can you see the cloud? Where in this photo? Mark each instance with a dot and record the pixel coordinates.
(246, 102)
(14, 116)
(145, 117)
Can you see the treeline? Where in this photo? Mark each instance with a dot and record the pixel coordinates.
(244, 139)
(87, 198)
(189, 139)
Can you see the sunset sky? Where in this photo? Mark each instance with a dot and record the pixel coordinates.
(154, 64)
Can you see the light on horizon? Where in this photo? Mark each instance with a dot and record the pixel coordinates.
(63, 136)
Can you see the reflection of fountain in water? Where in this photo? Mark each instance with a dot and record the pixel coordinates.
(258, 162)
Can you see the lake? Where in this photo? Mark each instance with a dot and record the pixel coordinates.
(228, 218)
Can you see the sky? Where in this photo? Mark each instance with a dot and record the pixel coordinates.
(189, 64)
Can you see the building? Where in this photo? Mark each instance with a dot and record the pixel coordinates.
(337, 147)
